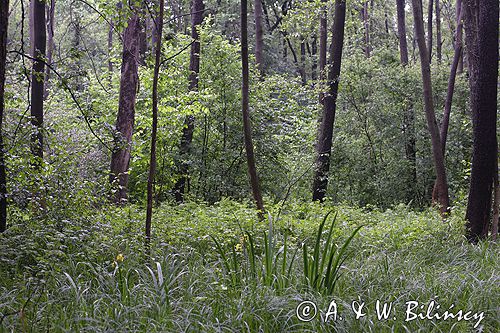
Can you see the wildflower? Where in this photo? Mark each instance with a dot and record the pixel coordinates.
(120, 258)
(238, 247)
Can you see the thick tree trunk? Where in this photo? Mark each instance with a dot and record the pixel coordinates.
(50, 43)
(439, 42)
(37, 79)
(442, 185)
(247, 129)
(324, 145)
(129, 81)
(259, 35)
(481, 22)
(429, 29)
(323, 40)
(188, 129)
(152, 161)
(403, 45)
(4, 18)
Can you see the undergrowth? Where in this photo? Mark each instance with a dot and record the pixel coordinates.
(218, 269)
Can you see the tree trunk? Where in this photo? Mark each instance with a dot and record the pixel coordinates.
(259, 35)
(481, 22)
(37, 79)
(439, 42)
(366, 25)
(451, 84)
(110, 50)
(303, 60)
(324, 145)
(247, 129)
(314, 55)
(188, 129)
(323, 40)
(429, 29)
(152, 161)
(403, 46)
(4, 17)
(459, 38)
(442, 185)
(129, 81)
(496, 200)
(50, 43)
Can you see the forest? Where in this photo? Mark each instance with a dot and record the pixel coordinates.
(249, 166)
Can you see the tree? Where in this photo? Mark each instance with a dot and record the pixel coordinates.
(324, 145)
(323, 39)
(429, 29)
(51, 7)
(481, 23)
(403, 45)
(152, 160)
(259, 35)
(197, 9)
(4, 18)
(366, 24)
(441, 197)
(129, 81)
(247, 128)
(37, 78)
(439, 42)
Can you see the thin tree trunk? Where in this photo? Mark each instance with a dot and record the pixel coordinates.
(110, 51)
(4, 17)
(451, 85)
(439, 42)
(496, 200)
(429, 29)
(50, 43)
(247, 129)
(442, 185)
(324, 145)
(323, 40)
(259, 35)
(459, 37)
(481, 22)
(314, 54)
(152, 161)
(303, 60)
(366, 25)
(188, 129)
(37, 79)
(129, 81)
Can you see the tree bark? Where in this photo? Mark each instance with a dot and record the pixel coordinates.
(323, 40)
(324, 146)
(459, 37)
(403, 45)
(442, 185)
(37, 79)
(247, 129)
(366, 25)
(4, 18)
(303, 60)
(451, 85)
(197, 7)
(120, 158)
(50, 43)
(439, 42)
(152, 161)
(496, 200)
(429, 29)
(259, 35)
(481, 22)
(314, 54)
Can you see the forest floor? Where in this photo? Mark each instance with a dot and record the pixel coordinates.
(218, 269)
